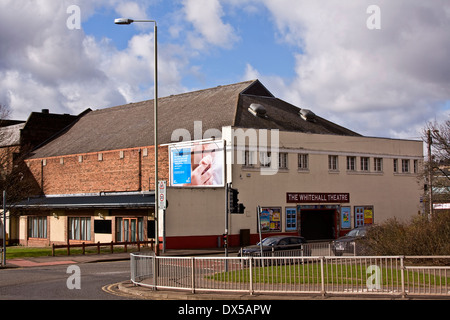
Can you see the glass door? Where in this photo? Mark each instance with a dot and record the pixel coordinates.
(130, 229)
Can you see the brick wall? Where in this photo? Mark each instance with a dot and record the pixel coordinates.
(108, 171)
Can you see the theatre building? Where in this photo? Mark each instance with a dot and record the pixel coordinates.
(299, 172)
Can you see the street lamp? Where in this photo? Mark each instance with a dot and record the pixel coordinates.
(124, 21)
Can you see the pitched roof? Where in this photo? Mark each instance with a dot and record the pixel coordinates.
(131, 125)
(10, 135)
(284, 117)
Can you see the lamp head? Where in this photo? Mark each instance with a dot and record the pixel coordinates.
(123, 21)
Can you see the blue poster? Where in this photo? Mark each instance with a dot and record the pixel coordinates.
(181, 164)
(345, 218)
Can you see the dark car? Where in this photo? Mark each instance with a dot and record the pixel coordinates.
(346, 244)
(279, 246)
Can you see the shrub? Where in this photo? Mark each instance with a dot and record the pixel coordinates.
(420, 236)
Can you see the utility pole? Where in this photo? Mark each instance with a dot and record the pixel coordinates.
(4, 228)
(430, 173)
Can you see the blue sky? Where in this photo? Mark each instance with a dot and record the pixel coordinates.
(315, 54)
(255, 42)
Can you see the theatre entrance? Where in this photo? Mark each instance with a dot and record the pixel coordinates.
(318, 224)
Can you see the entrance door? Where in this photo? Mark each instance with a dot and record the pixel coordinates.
(318, 224)
(129, 230)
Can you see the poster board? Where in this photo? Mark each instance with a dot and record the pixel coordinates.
(270, 219)
(197, 164)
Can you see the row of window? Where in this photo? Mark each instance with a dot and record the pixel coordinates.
(79, 228)
(365, 164)
(127, 229)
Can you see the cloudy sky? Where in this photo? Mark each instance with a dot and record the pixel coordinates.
(379, 72)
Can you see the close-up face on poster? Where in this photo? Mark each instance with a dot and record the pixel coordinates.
(199, 164)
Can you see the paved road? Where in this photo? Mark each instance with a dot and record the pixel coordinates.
(51, 282)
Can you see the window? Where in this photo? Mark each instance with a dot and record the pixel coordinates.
(351, 163)
(103, 226)
(365, 164)
(303, 160)
(395, 165)
(249, 158)
(264, 158)
(37, 227)
(378, 165)
(333, 163)
(416, 166)
(80, 228)
(283, 160)
(405, 165)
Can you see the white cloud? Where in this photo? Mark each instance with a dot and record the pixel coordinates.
(206, 17)
(132, 10)
(44, 64)
(380, 82)
(386, 82)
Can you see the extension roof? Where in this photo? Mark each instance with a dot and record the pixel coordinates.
(131, 125)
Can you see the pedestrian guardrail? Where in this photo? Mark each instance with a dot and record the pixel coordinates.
(340, 275)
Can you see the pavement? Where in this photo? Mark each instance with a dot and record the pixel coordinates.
(126, 288)
(104, 257)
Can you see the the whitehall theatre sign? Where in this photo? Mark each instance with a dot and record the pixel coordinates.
(294, 197)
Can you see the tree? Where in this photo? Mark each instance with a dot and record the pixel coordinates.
(437, 167)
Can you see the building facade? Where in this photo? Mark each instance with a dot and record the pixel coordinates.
(297, 172)
(17, 139)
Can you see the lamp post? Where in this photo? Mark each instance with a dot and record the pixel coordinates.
(124, 21)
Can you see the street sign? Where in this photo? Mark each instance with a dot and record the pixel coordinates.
(162, 194)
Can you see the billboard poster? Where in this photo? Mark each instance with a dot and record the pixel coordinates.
(198, 164)
(345, 218)
(270, 219)
(368, 215)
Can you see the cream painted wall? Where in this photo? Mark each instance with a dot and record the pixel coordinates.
(201, 211)
(58, 223)
(391, 194)
(194, 211)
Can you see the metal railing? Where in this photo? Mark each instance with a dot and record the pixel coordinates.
(386, 275)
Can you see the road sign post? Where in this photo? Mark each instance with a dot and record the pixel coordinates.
(162, 194)
(162, 204)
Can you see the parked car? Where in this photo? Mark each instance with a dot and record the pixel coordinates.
(279, 246)
(346, 244)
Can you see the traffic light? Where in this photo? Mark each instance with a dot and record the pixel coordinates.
(225, 240)
(233, 193)
(234, 205)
